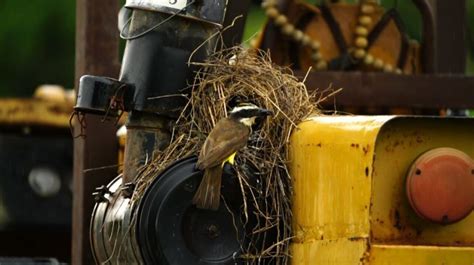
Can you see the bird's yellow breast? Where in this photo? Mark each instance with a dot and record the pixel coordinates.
(230, 159)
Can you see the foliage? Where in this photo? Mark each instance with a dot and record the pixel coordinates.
(36, 45)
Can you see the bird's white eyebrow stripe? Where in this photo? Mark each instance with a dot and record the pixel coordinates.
(243, 108)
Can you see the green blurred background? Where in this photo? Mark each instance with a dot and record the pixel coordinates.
(37, 41)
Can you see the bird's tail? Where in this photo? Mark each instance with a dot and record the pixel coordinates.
(208, 194)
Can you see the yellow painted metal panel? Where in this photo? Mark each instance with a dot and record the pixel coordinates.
(400, 142)
(329, 252)
(349, 184)
(34, 112)
(420, 255)
(330, 165)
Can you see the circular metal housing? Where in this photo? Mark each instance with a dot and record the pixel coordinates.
(173, 231)
(440, 185)
(112, 235)
(163, 227)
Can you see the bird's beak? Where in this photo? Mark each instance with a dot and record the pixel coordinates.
(265, 112)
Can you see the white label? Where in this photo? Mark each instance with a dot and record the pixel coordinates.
(174, 4)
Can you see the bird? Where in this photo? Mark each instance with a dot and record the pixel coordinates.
(228, 136)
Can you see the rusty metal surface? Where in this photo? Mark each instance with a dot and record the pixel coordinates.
(96, 53)
(146, 133)
(399, 144)
(444, 51)
(331, 172)
(428, 34)
(419, 255)
(388, 90)
(451, 36)
(349, 195)
(140, 145)
(330, 252)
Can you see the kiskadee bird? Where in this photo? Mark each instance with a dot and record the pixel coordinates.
(228, 136)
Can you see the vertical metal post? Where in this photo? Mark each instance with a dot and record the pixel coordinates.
(451, 42)
(97, 53)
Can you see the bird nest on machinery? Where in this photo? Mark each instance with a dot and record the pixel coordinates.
(230, 76)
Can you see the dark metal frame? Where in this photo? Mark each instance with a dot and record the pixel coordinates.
(444, 61)
(97, 53)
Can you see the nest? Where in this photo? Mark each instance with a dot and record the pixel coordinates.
(242, 75)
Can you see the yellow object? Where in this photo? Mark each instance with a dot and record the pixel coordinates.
(359, 53)
(230, 159)
(361, 42)
(349, 202)
(51, 105)
(122, 139)
(35, 112)
(55, 93)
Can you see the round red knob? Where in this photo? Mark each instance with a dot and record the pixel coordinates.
(440, 185)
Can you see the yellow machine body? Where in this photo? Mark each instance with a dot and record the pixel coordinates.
(35, 112)
(350, 203)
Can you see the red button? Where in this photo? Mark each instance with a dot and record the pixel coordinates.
(440, 185)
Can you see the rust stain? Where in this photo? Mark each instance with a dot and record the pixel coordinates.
(365, 259)
(397, 143)
(397, 224)
(419, 139)
(366, 171)
(366, 149)
(356, 238)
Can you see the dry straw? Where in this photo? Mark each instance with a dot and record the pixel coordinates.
(243, 75)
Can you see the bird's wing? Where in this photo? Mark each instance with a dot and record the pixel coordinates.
(226, 138)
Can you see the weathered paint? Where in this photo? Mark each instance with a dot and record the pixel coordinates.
(428, 178)
(420, 255)
(327, 252)
(331, 173)
(146, 134)
(331, 161)
(34, 112)
(399, 144)
(349, 175)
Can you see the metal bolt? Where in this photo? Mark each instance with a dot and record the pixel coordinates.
(100, 192)
(189, 186)
(127, 190)
(213, 231)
